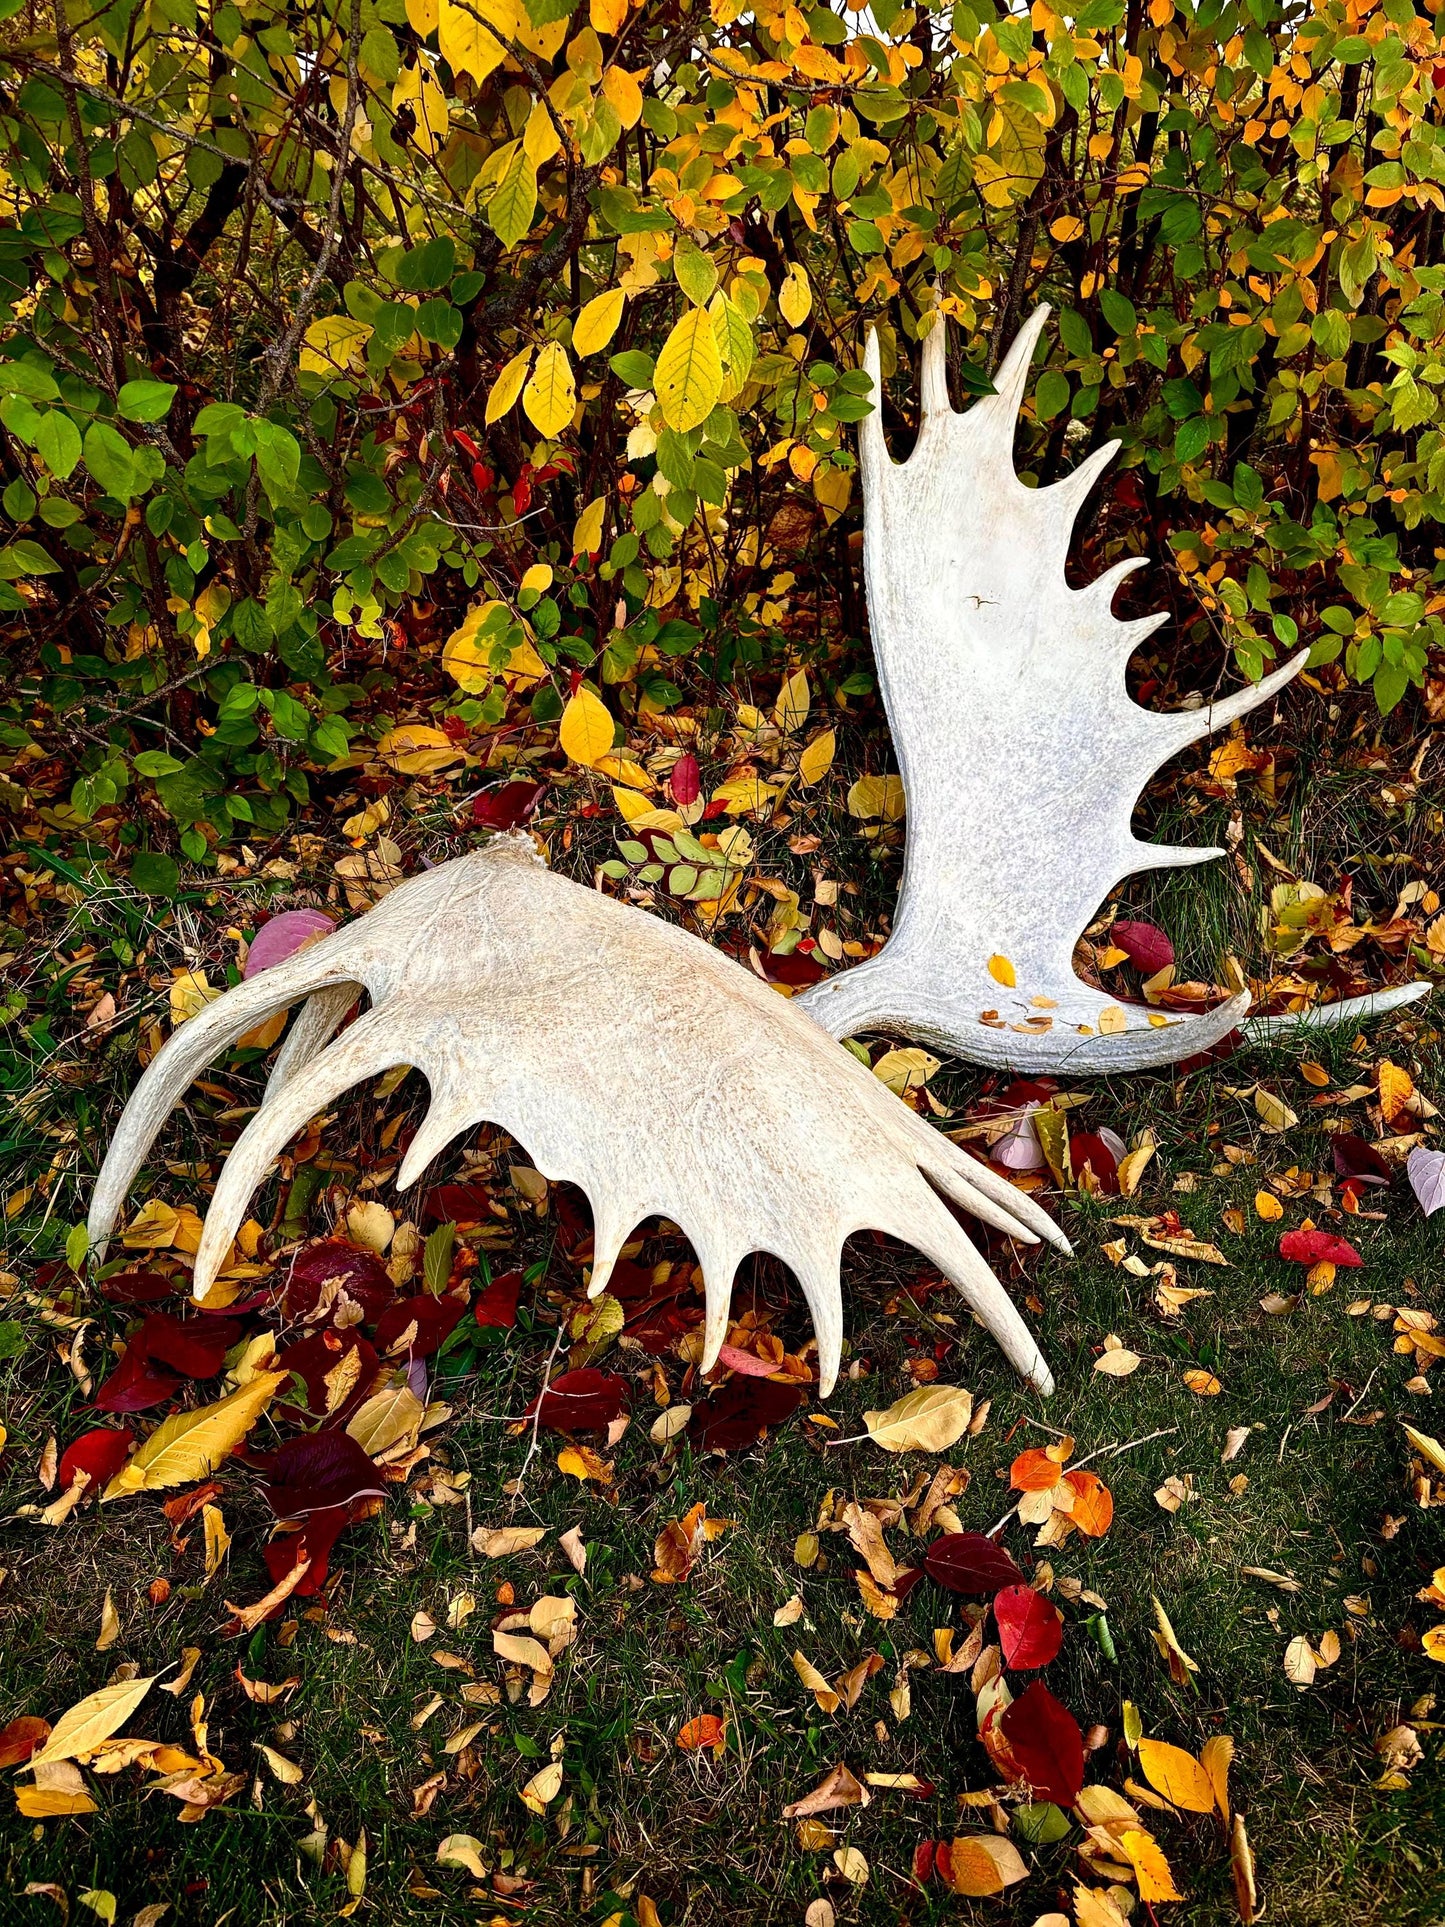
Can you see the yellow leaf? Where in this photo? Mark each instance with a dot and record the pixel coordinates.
(874, 796)
(1203, 1384)
(1397, 1087)
(607, 16)
(419, 88)
(53, 1802)
(389, 1417)
(502, 395)
(1433, 1643)
(550, 395)
(513, 201)
(1151, 1869)
(984, 1863)
(587, 729)
(538, 578)
(190, 1444)
(467, 657)
(543, 1787)
(597, 323)
(689, 372)
(795, 297)
(929, 1420)
(1268, 1206)
(791, 709)
(154, 1225)
(1428, 1448)
(1215, 1757)
(1002, 972)
(1274, 1114)
(817, 759)
(109, 1622)
(624, 93)
(422, 16)
(334, 345)
(466, 44)
(1177, 1775)
(540, 139)
(92, 1720)
(417, 749)
(1068, 227)
(286, 1771)
(587, 530)
(905, 1070)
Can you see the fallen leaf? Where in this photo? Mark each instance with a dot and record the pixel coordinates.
(980, 1864)
(1031, 1630)
(971, 1563)
(1274, 1114)
(109, 1624)
(1241, 1866)
(542, 1788)
(1426, 1172)
(92, 1720)
(1310, 1247)
(500, 1542)
(1046, 1744)
(931, 1419)
(1177, 1775)
(463, 1850)
(1116, 1360)
(1203, 1384)
(706, 1730)
(1151, 1869)
(188, 1445)
(837, 1788)
(851, 1865)
(286, 1771)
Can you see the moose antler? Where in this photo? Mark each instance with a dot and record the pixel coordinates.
(627, 1056)
(1021, 752)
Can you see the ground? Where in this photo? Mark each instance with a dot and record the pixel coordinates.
(1320, 1494)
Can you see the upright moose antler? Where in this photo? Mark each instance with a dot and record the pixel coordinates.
(1021, 752)
(627, 1056)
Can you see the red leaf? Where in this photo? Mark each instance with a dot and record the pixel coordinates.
(1358, 1161)
(1086, 1147)
(505, 805)
(685, 782)
(737, 1414)
(497, 1305)
(1030, 1630)
(99, 1454)
(457, 1204)
(943, 1861)
(316, 1472)
(1145, 945)
(20, 1739)
(1046, 1744)
(924, 1856)
(1318, 1247)
(284, 935)
(969, 1562)
(434, 1319)
(316, 1357)
(194, 1347)
(584, 1401)
(137, 1288)
(746, 1364)
(360, 1274)
(135, 1385)
(313, 1542)
(797, 970)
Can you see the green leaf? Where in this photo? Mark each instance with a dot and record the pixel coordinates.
(110, 460)
(146, 401)
(12, 1338)
(634, 367)
(25, 558)
(1051, 396)
(155, 875)
(436, 1261)
(77, 1245)
(1118, 312)
(57, 443)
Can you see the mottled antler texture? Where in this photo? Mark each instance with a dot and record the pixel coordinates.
(1021, 752)
(628, 1057)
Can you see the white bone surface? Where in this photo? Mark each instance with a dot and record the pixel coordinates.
(626, 1056)
(1021, 752)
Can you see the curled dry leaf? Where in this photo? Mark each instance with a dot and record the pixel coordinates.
(542, 1788)
(500, 1542)
(837, 1788)
(931, 1419)
(463, 1850)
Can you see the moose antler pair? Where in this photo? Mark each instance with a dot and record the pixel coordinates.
(638, 1062)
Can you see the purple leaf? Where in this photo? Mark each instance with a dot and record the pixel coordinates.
(1145, 945)
(1426, 1172)
(283, 936)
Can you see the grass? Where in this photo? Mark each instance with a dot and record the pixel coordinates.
(702, 1838)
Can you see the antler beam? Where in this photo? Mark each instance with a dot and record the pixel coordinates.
(1021, 752)
(629, 1057)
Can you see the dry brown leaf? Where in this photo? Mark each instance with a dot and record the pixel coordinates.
(499, 1542)
(837, 1788)
(1116, 1360)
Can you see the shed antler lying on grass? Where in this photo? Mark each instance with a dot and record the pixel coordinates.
(629, 1057)
(1021, 752)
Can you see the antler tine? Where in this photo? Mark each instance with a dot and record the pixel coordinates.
(929, 1226)
(375, 1043)
(873, 457)
(312, 1029)
(818, 1274)
(1178, 728)
(933, 381)
(451, 1111)
(971, 1184)
(184, 1056)
(719, 1262)
(613, 1221)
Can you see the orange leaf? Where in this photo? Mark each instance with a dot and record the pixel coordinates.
(1151, 1869)
(1035, 1471)
(706, 1730)
(1093, 1511)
